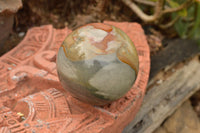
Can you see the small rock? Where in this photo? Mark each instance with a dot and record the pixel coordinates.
(9, 68)
(159, 81)
(21, 34)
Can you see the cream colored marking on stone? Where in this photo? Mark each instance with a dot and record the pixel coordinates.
(85, 48)
(97, 35)
(88, 35)
(113, 45)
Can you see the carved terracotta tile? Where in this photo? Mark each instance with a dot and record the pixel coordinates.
(32, 99)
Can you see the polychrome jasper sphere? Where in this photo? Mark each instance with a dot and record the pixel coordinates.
(97, 63)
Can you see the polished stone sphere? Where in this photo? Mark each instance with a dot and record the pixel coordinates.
(97, 63)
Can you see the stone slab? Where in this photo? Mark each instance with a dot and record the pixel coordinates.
(32, 99)
(7, 10)
(9, 6)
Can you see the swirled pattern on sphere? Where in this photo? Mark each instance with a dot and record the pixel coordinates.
(97, 63)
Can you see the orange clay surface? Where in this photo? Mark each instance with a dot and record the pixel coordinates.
(32, 99)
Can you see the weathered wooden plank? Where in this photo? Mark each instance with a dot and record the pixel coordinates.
(175, 51)
(166, 92)
(162, 100)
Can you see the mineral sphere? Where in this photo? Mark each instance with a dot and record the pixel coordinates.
(97, 63)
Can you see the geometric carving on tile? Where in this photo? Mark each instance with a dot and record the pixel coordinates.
(20, 73)
(46, 60)
(11, 61)
(39, 34)
(43, 106)
(25, 52)
(59, 36)
(29, 86)
(2, 68)
(41, 112)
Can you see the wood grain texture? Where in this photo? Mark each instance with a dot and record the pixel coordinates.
(162, 100)
(167, 90)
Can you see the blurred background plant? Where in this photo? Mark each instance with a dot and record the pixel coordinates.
(182, 15)
(161, 19)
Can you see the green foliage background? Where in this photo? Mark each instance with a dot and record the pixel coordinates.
(188, 26)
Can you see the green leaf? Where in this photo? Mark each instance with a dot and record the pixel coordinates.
(173, 4)
(195, 31)
(181, 28)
